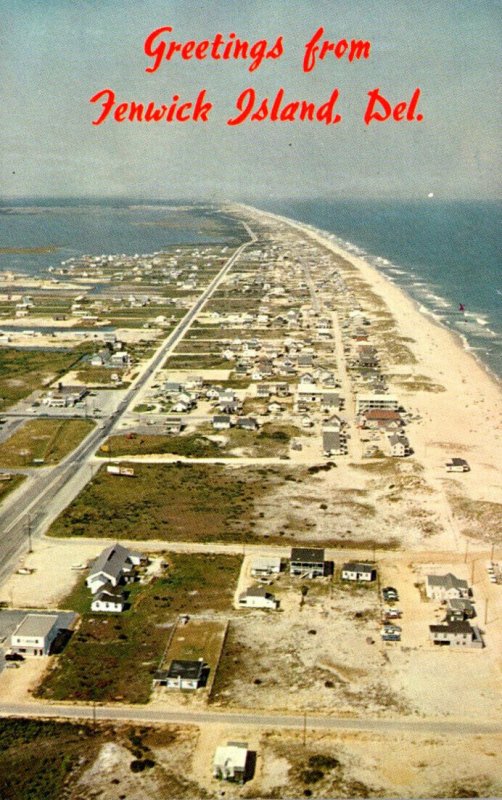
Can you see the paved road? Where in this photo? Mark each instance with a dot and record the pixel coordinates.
(31, 509)
(250, 719)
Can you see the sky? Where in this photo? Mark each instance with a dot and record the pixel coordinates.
(57, 54)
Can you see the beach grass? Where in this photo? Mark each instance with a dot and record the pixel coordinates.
(43, 440)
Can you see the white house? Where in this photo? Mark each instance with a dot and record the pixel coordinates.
(355, 571)
(445, 587)
(185, 674)
(35, 634)
(257, 597)
(399, 445)
(364, 402)
(109, 599)
(230, 762)
(265, 565)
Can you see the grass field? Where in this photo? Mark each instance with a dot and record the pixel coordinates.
(191, 445)
(23, 371)
(198, 502)
(198, 638)
(113, 657)
(38, 758)
(47, 440)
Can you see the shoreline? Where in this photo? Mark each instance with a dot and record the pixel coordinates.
(325, 238)
(456, 400)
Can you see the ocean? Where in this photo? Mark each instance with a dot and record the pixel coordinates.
(443, 254)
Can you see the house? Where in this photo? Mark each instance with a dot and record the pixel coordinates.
(257, 597)
(333, 423)
(333, 443)
(459, 609)
(230, 762)
(456, 634)
(265, 565)
(308, 562)
(115, 565)
(365, 402)
(221, 422)
(355, 571)
(120, 359)
(174, 425)
(170, 387)
(331, 402)
(65, 396)
(185, 674)
(109, 599)
(446, 587)
(399, 445)
(381, 418)
(247, 423)
(457, 465)
(35, 634)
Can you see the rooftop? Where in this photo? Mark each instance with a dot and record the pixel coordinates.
(306, 555)
(36, 625)
(186, 669)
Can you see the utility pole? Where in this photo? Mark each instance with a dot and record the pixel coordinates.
(492, 551)
(466, 549)
(30, 549)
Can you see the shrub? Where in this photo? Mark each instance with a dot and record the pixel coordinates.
(312, 775)
(327, 762)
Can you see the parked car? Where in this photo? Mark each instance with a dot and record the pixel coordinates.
(14, 657)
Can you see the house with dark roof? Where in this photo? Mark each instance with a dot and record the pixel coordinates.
(456, 634)
(115, 565)
(308, 562)
(182, 675)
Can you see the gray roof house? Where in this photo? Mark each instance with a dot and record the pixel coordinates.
(115, 565)
(333, 443)
(258, 597)
(35, 634)
(109, 599)
(445, 587)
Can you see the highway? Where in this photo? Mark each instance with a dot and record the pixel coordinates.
(44, 495)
